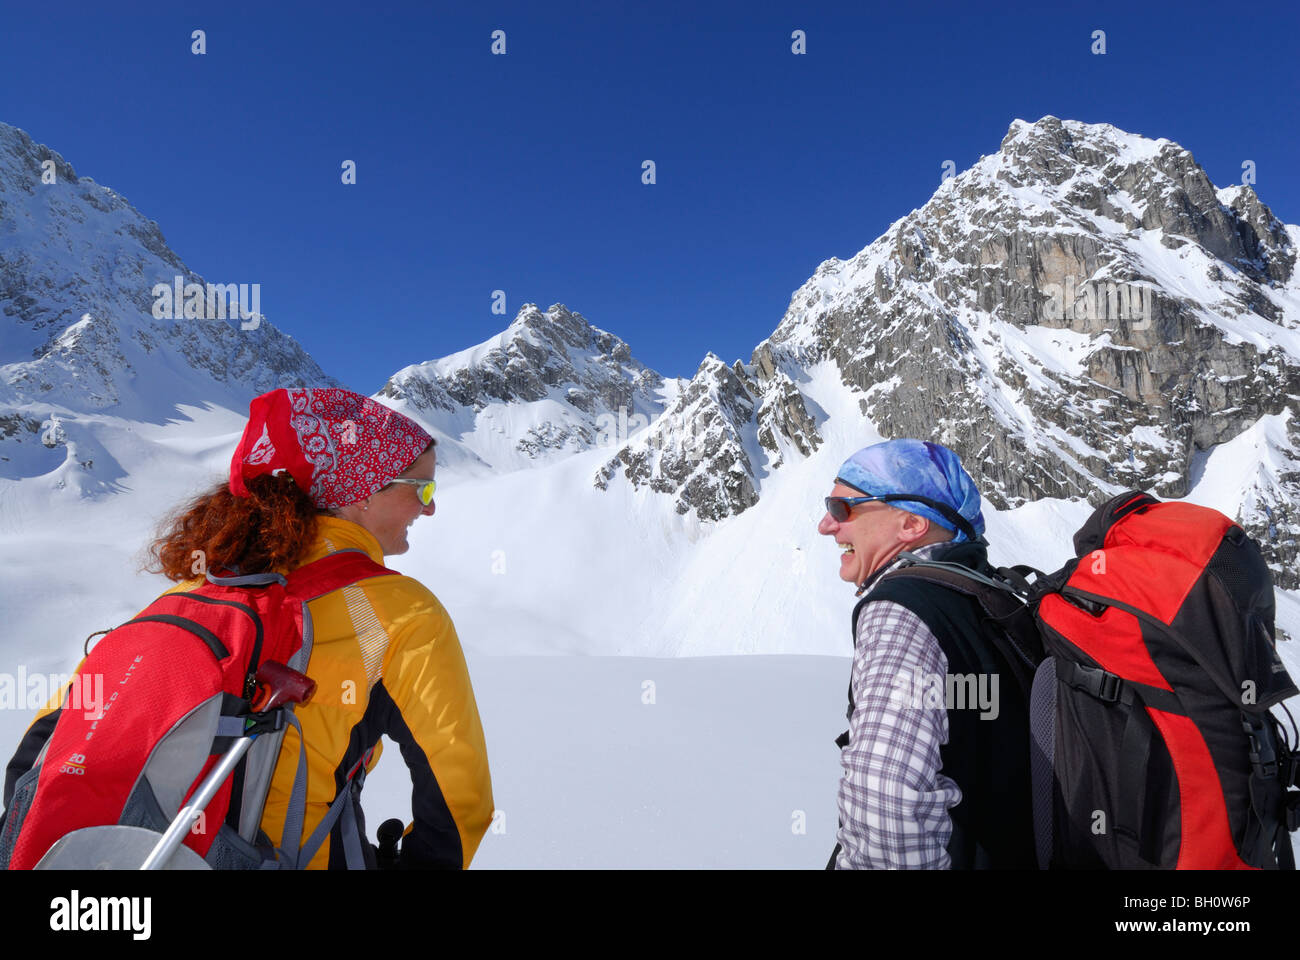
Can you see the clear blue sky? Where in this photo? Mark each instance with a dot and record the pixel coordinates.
(523, 172)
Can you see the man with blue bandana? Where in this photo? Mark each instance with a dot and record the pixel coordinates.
(936, 758)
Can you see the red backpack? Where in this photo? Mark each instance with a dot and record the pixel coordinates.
(178, 685)
(1151, 669)
(1155, 744)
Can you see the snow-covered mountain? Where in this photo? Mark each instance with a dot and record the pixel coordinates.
(547, 386)
(103, 323)
(1079, 313)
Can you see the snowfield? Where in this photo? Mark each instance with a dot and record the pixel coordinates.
(619, 762)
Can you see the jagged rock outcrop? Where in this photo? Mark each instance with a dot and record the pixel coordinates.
(696, 450)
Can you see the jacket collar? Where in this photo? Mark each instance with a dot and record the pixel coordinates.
(334, 534)
(931, 551)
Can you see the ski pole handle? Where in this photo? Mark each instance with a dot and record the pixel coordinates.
(389, 835)
(278, 685)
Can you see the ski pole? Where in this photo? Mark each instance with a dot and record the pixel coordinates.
(277, 685)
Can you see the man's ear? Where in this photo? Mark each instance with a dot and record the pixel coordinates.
(914, 528)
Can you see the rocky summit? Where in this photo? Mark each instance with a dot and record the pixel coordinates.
(1079, 313)
(549, 385)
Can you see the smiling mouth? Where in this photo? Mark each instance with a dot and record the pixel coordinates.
(847, 548)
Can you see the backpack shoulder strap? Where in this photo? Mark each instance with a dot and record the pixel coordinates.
(1015, 632)
(312, 580)
(331, 572)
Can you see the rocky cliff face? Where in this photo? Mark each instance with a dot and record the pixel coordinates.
(1079, 313)
(1170, 306)
(727, 428)
(696, 450)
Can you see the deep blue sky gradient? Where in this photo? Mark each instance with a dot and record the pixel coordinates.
(523, 172)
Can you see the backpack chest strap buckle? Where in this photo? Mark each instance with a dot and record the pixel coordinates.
(1263, 757)
(1093, 681)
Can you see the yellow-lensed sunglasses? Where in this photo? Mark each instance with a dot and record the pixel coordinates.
(424, 488)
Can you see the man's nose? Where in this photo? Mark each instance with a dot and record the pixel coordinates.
(828, 525)
(428, 511)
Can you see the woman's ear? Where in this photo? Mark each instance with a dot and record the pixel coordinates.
(350, 511)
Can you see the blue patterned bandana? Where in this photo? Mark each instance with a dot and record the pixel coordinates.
(921, 468)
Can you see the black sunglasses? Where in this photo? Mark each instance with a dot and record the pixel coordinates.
(840, 507)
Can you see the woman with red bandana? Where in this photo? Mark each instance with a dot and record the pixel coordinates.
(320, 471)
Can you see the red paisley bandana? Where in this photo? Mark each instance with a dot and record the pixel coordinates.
(339, 446)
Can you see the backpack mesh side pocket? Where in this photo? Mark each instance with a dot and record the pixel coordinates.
(24, 793)
(230, 851)
(1042, 758)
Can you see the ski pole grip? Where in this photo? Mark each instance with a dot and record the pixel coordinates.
(278, 685)
(389, 835)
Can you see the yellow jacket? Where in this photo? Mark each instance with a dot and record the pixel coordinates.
(386, 660)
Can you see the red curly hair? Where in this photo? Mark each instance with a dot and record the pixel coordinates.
(268, 530)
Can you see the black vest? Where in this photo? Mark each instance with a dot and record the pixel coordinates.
(992, 826)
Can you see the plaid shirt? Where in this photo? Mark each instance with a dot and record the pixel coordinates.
(893, 801)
